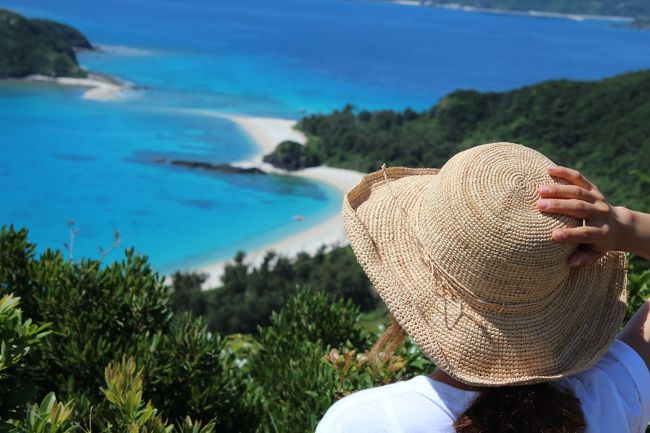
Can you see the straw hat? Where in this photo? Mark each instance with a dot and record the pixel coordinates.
(465, 262)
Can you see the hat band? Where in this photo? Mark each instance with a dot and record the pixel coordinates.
(451, 286)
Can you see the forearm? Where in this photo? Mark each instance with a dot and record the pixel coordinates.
(637, 332)
(635, 233)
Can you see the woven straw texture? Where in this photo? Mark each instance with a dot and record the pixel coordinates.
(465, 262)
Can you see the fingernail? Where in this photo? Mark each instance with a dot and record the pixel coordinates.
(544, 190)
(558, 235)
(553, 165)
(542, 204)
(575, 261)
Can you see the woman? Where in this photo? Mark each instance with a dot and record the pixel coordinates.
(509, 273)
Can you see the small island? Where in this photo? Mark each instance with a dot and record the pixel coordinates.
(45, 51)
(39, 47)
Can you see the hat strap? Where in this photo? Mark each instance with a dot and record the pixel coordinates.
(451, 286)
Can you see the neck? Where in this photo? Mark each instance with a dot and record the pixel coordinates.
(440, 376)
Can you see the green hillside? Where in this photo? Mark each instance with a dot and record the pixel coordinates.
(632, 8)
(30, 46)
(598, 127)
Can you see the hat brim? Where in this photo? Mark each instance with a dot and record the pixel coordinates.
(475, 343)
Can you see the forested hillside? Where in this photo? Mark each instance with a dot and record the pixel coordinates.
(600, 127)
(633, 8)
(32, 46)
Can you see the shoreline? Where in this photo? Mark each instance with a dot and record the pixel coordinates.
(99, 87)
(267, 133)
(529, 13)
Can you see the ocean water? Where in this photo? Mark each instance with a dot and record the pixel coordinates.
(93, 162)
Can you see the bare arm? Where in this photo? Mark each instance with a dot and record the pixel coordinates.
(607, 228)
(637, 332)
(637, 236)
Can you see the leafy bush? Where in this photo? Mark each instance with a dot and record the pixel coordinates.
(296, 341)
(247, 296)
(18, 338)
(167, 373)
(99, 313)
(50, 416)
(189, 371)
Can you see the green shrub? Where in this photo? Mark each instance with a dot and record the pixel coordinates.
(51, 416)
(292, 386)
(99, 313)
(18, 339)
(123, 361)
(190, 371)
(248, 295)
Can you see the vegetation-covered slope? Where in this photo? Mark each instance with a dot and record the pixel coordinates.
(632, 8)
(31, 46)
(106, 340)
(109, 342)
(601, 128)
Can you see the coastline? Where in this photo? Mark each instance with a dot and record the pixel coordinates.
(268, 132)
(529, 13)
(99, 87)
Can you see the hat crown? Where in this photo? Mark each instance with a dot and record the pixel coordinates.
(481, 225)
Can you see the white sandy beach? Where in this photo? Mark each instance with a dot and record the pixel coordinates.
(99, 87)
(267, 133)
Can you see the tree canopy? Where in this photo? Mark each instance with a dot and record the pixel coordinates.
(34, 46)
(598, 127)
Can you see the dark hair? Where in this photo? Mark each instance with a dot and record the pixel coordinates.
(538, 408)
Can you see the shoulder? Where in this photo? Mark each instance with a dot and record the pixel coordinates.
(407, 406)
(615, 391)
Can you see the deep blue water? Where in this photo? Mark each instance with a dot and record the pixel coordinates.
(68, 158)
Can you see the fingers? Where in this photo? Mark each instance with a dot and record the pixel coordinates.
(573, 207)
(584, 257)
(569, 191)
(572, 176)
(580, 235)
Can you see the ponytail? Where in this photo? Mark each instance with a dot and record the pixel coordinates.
(540, 408)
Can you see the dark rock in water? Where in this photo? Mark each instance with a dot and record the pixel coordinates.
(220, 168)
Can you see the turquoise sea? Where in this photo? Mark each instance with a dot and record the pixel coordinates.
(66, 158)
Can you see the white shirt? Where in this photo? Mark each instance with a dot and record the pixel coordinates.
(614, 394)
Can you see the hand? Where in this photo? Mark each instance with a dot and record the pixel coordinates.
(581, 199)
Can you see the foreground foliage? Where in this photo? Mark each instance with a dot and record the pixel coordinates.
(99, 347)
(92, 347)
